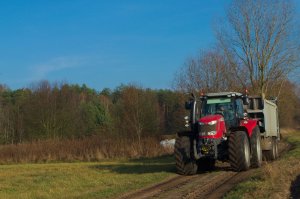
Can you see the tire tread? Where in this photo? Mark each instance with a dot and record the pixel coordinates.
(185, 165)
(236, 154)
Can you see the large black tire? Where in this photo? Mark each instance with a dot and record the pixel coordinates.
(185, 164)
(206, 164)
(256, 152)
(273, 153)
(239, 151)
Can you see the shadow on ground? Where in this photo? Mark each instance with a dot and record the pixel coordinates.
(152, 165)
(141, 166)
(137, 169)
(295, 188)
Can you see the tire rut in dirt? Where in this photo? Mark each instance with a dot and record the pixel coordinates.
(227, 185)
(158, 188)
(182, 190)
(209, 187)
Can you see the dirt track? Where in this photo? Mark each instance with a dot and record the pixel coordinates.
(208, 185)
(204, 185)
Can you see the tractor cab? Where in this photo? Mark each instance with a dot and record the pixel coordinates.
(228, 104)
(214, 114)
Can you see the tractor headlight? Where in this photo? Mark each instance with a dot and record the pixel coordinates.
(208, 133)
(203, 134)
(212, 122)
(211, 133)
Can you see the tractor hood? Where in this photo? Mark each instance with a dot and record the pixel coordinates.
(210, 118)
(211, 126)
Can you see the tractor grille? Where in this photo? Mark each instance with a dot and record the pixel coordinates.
(205, 128)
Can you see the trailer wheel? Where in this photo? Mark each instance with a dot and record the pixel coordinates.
(185, 164)
(239, 151)
(256, 152)
(273, 153)
(276, 147)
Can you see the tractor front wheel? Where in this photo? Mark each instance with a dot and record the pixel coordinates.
(239, 151)
(185, 164)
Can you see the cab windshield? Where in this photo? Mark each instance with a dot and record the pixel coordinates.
(223, 106)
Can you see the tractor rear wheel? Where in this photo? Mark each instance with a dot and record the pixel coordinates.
(273, 153)
(256, 152)
(239, 151)
(185, 164)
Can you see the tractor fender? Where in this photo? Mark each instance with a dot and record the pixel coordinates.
(249, 125)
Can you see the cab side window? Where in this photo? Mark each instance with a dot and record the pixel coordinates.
(239, 108)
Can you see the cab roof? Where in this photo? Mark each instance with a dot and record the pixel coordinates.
(223, 94)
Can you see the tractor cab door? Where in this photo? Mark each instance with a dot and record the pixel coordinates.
(223, 106)
(239, 108)
(234, 111)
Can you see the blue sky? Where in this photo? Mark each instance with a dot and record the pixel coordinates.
(102, 43)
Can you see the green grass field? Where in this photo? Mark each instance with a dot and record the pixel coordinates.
(82, 180)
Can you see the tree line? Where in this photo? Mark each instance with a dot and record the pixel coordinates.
(55, 111)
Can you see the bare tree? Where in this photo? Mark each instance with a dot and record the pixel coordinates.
(210, 71)
(139, 111)
(260, 39)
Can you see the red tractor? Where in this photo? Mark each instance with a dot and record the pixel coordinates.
(221, 129)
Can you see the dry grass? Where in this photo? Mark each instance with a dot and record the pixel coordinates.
(88, 149)
(280, 176)
(274, 179)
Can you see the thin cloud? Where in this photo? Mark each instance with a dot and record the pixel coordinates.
(41, 71)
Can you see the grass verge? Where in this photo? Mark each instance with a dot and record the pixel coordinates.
(273, 180)
(82, 180)
(94, 148)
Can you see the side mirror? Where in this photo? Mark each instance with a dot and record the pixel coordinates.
(246, 100)
(188, 105)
